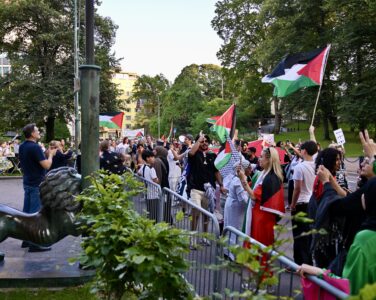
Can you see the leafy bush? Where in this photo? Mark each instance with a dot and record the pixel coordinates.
(131, 254)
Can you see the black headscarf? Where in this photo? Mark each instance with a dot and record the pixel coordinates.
(370, 202)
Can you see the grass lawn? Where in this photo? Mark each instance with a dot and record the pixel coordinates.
(353, 147)
(81, 293)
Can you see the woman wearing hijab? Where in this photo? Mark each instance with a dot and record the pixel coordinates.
(360, 265)
(325, 248)
(237, 197)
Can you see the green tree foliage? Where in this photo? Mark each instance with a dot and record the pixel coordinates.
(257, 34)
(37, 36)
(193, 90)
(149, 91)
(354, 39)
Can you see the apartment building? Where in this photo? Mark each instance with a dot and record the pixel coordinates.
(125, 81)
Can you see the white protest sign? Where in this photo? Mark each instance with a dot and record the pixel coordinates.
(268, 138)
(134, 133)
(340, 137)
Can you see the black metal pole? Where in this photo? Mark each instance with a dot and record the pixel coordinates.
(89, 10)
(89, 76)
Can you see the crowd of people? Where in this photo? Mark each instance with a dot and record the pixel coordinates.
(250, 195)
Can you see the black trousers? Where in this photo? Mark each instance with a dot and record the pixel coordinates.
(302, 244)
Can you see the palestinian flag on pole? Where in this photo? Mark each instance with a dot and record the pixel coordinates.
(111, 121)
(170, 133)
(223, 157)
(226, 158)
(212, 120)
(299, 70)
(225, 124)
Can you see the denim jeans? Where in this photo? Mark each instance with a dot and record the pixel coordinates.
(32, 202)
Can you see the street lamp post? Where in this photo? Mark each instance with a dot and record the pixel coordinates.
(90, 101)
(77, 121)
(159, 118)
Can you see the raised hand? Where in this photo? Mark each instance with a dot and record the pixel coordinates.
(369, 147)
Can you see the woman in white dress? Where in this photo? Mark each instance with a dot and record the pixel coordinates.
(237, 197)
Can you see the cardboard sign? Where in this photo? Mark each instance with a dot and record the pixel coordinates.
(340, 137)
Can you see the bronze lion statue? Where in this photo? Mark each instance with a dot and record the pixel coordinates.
(55, 220)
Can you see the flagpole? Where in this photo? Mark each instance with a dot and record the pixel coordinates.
(318, 94)
(317, 100)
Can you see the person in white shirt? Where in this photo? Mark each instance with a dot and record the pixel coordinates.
(304, 177)
(148, 172)
(123, 146)
(174, 167)
(16, 147)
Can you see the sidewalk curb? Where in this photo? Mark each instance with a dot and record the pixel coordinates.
(10, 177)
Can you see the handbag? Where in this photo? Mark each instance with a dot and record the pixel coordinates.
(311, 291)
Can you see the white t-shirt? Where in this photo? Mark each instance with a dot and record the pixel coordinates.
(305, 171)
(149, 174)
(122, 148)
(174, 169)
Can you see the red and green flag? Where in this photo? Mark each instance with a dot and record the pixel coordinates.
(223, 157)
(212, 120)
(170, 133)
(299, 70)
(226, 158)
(113, 121)
(224, 126)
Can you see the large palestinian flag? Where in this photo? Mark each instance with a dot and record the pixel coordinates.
(212, 120)
(226, 158)
(299, 70)
(111, 121)
(224, 126)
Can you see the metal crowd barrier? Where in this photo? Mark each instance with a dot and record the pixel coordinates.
(288, 281)
(149, 202)
(204, 250)
(166, 205)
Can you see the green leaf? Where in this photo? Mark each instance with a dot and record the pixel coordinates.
(138, 259)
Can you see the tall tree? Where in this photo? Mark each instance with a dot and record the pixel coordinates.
(149, 90)
(194, 88)
(257, 34)
(37, 36)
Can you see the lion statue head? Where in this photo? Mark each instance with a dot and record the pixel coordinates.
(59, 188)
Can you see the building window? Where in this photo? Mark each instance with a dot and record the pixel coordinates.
(128, 126)
(128, 118)
(6, 70)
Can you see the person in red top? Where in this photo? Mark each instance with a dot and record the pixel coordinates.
(267, 196)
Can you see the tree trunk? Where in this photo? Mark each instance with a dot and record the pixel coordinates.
(334, 122)
(277, 116)
(326, 128)
(50, 128)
